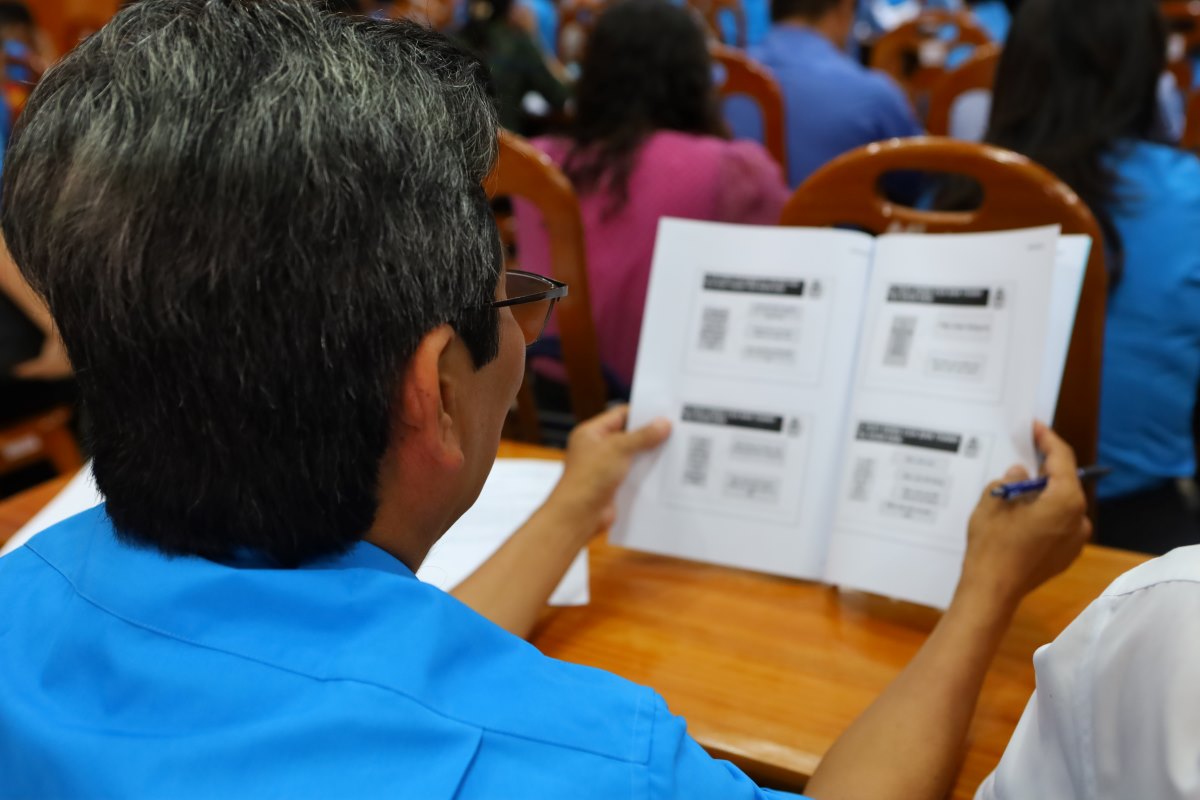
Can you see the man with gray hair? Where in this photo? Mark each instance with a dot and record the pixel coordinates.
(261, 230)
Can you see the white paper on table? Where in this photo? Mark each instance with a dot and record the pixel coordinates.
(943, 398)
(1069, 271)
(514, 489)
(78, 495)
(748, 344)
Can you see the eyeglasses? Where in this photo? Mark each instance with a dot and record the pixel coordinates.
(531, 299)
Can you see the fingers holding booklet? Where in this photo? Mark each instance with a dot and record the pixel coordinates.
(1014, 547)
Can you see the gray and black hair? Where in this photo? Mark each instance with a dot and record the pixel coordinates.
(245, 215)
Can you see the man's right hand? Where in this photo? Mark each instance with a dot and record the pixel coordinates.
(1013, 546)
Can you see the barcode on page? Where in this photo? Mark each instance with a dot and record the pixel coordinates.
(697, 461)
(900, 339)
(861, 479)
(714, 328)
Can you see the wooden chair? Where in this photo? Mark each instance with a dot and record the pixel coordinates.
(44, 437)
(915, 53)
(1191, 132)
(1181, 69)
(437, 14)
(976, 73)
(741, 75)
(1183, 24)
(1017, 194)
(524, 171)
(713, 11)
(81, 25)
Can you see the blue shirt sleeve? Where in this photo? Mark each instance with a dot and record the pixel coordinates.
(680, 768)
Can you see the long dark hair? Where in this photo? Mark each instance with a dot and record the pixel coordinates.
(646, 69)
(1076, 77)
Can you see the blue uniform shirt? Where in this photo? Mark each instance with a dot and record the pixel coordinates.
(1152, 340)
(831, 103)
(130, 674)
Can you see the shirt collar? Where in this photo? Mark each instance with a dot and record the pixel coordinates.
(364, 555)
(788, 37)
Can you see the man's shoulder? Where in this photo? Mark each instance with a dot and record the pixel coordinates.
(1180, 567)
(407, 641)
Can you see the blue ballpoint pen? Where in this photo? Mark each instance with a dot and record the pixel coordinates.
(1008, 491)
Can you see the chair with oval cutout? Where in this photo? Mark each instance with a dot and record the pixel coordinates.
(976, 74)
(1017, 193)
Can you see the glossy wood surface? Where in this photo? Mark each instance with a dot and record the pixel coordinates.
(524, 171)
(768, 671)
(977, 72)
(45, 437)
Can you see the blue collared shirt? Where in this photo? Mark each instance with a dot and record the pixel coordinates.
(832, 104)
(130, 674)
(1152, 337)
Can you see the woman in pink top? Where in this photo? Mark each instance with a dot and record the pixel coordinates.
(647, 142)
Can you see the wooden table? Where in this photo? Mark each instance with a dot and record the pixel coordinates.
(768, 671)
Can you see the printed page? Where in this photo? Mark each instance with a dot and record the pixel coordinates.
(515, 488)
(1069, 271)
(944, 398)
(748, 348)
(78, 495)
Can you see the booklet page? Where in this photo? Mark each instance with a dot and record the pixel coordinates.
(946, 390)
(747, 347)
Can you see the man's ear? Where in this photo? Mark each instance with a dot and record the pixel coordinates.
(426, 397)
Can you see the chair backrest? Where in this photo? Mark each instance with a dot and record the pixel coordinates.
(44, 437)
(976, 73)
(524, 171)
(1181, 70)
(1183, 23)
(714, 11)
(83, 24)
(1191, 132)
(915, 52)
(1017, 194)
(437, 14)
(741, 75)
(576, 19)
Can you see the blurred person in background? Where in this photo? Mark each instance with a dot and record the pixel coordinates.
(503, 37)
(832, 103)
(1077, 91)
(647, 142)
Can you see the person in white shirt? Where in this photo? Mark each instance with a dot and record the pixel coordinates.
(1116, 713)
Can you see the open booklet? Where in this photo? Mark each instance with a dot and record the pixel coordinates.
(839, 400)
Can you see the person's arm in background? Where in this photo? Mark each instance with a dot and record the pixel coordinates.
(512, 587)
(908, 744)
(52, 362)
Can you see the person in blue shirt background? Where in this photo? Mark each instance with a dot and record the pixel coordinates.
(1077, 91)
(262, 232)
(832, 104)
